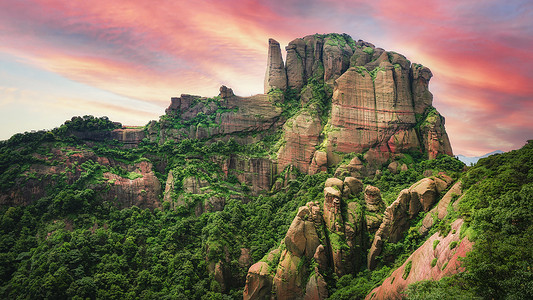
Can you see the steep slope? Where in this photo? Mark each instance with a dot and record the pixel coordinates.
(436, 258)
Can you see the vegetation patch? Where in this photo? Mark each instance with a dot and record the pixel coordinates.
(407, 269)
(434, 262)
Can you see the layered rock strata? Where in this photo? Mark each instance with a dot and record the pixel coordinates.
(227, 115)
(381, 103)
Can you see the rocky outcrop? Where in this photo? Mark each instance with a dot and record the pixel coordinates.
(319, 163)
(256, 173)
(376, 94)
(316, 288)
(429, 262)
(440, 211)
(368, 113)
(142, 191)
(224, 116)
(293, 277)
(276, 76)
(375, 207)
(196, 192)
(258, 282)
(324, 236)
(301, 135)
(296, 59)
(130, 137)
(434, 137)
(423, 98)
(134, 185)
(419, 197)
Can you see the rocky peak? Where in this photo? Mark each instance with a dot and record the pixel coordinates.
(226, 92)
(276, 76)
(380, 104)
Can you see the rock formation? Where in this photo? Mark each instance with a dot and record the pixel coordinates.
(196, 117)
(315, 234)
(428, 262)
(381, 103)
(276, 76)
(135, 185)
(375, 206)
(419, 197)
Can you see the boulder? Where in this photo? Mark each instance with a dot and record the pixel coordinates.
(316, 288)
(258, 282)
(393, 167)
(354, 185)
(373, 200)
(334, 182)
(319, 163)
(423, 195)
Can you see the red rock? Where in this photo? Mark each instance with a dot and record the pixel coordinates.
(296, 64)
(276, 76)
(335, 57)
(319, 163)
(316, 288)
(258, 282)
(419, 85)
(423, 195)
(301, 134)
(421, 260)
(288, 283)
(321, 258)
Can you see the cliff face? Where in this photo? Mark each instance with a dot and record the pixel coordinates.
(380, 102)
(120, 184)
(196, 117)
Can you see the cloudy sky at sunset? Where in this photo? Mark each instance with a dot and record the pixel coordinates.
(125, 59)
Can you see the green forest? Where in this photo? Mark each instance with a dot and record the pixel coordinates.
(72, 244)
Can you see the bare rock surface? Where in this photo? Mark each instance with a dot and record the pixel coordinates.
(422, 266)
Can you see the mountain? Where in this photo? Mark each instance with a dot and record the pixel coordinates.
(472, 160)
(339, 181)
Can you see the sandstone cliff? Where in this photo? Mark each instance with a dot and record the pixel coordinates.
(380, 102)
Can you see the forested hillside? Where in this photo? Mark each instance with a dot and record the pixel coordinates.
(339, 182)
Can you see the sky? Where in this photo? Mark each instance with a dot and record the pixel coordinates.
(126, 59)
